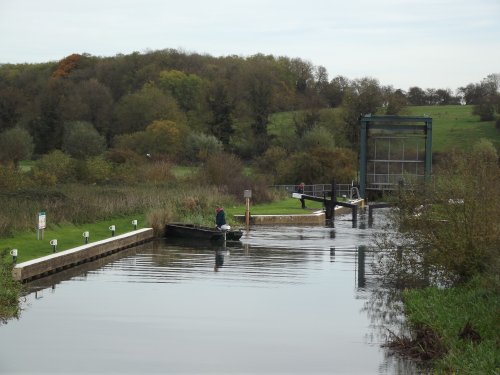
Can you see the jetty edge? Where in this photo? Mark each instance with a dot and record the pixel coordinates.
(315, 218)
(39, 267)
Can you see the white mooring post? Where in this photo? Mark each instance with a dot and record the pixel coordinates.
(86, 236)
(53, 243)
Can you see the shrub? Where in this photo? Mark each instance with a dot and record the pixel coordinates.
(157, 171)
(82, 140)
(455, 234)
(158, 218)
(321, 165)
(121, 156)
(58, 164)
(222, 169)
(13, 179)
(274, 163)
(97, 170)
(10, 290)
(199, 147)
(317, 138)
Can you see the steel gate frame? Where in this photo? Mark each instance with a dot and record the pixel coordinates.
(404, 128)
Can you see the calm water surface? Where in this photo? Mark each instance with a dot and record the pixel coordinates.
(279, 302)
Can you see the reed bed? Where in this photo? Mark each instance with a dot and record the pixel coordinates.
(80, 204)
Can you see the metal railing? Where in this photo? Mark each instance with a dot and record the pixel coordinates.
(318, 190)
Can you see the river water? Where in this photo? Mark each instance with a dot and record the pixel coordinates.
(288, 300)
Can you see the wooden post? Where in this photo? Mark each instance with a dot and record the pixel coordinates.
(361, 266)
(247, 194)
(333, 201)
(247, 212)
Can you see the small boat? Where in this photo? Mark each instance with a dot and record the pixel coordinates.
(181, 230)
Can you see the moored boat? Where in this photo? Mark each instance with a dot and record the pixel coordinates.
(181, 230)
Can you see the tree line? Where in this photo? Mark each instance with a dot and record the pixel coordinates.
(185, 106)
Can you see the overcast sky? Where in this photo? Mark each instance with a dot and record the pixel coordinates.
(404, 43)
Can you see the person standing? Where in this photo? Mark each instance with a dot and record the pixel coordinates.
(300, 190)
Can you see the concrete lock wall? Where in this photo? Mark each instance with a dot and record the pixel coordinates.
(317, 217)
(64, 259)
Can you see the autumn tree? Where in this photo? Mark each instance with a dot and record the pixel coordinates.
(66, 66)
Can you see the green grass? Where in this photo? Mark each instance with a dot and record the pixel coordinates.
(281, 124)
(26, 165)
(183, 172)
(447, 311)
(454, 126)
(288, 206)
(68, 236)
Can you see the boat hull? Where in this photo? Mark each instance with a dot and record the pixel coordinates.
(178, 230)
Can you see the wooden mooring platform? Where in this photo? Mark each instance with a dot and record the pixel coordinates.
(56, 262)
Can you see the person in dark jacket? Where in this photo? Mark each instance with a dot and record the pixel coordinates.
(220, 217)
(300, 190)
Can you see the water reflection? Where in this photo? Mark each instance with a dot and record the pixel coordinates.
(285, 299)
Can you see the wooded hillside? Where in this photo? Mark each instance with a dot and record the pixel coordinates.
(185, 107)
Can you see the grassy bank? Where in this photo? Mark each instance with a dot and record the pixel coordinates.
(287, 206)
(67, 235)
(457, 327)
(70, 235)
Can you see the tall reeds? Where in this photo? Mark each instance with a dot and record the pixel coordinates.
(79, 204)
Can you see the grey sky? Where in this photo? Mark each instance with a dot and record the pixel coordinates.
(425, 43)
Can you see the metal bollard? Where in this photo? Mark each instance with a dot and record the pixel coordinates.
(54, 245)
(86, 236)
(13, 252)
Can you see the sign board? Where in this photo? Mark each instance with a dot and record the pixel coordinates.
(247, 194)
(42, 220)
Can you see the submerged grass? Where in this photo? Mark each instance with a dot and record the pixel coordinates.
(466, 321)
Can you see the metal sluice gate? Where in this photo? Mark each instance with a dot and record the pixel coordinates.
(394, 151)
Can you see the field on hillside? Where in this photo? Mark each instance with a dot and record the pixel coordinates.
(453, 126)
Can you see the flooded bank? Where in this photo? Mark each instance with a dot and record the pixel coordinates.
(284, 300)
